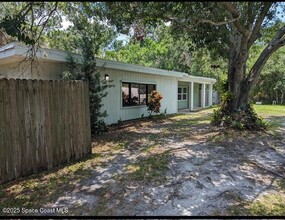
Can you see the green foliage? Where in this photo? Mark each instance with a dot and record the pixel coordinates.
(268, 205)
(153, 105)
(157, 50)
(88, 42)
(227, 96)
(97, 87)
(66, 40)
(193, 18)
(74, 72)
(246, 118)
(217, 116)
(270, 88)
(271, 204)
(14, 26)
(222, 83)
(86, 19)
(241, 120)
(28, 21)
(199, 34)
(162, 50)
(271, 84)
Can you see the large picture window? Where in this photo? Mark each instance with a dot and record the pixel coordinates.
(135, 94)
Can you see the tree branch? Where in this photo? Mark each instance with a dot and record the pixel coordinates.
(256, 28)
(235, 15)
(46, 21)
(215, 22)
(250, 18)
(280, 34)
(277, 41)
(26, 9)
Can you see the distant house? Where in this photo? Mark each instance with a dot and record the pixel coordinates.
(128, 98)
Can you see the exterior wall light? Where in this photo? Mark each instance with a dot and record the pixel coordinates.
(107, 77)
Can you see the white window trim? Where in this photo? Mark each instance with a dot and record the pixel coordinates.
(137, 82)
(182, 93)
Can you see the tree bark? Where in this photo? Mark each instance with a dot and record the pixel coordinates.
(239, 52)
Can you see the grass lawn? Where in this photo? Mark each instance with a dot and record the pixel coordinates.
(270, 110)
(275, 114)
(142, 146)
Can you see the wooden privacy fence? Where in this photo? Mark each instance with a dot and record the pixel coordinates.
(42, 124)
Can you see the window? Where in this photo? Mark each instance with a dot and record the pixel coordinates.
(182, 93)
(135, 94)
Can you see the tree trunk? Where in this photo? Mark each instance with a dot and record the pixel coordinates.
(276, 96)
(239, 90)
(237, 86)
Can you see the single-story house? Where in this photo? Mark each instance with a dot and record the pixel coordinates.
(132, 83)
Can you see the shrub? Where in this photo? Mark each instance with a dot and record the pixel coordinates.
(244, 119)
(217, 117)
(154, 104)
(97, 86)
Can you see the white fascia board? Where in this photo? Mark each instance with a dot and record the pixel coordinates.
(45, 54)
(197, 79)
(7, 47)
(10, 46)
(7, 51)
(135, 68)
(19, 50)
(61, 56)
(7, 54)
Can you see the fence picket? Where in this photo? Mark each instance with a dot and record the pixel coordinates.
(42, 125)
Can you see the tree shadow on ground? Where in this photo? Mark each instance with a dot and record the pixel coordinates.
(34, 191)
(174, 165)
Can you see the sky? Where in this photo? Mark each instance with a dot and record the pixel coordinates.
(282, 13)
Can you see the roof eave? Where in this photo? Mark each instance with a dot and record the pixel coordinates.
(17, 49)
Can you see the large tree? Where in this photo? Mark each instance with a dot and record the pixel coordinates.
(229, 29)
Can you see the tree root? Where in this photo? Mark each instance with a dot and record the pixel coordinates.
(266, 169)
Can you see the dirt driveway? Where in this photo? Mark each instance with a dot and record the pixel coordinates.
(181, 166)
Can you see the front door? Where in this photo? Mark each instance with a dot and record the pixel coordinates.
(182, 97)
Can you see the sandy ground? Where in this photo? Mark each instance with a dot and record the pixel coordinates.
(209, 169)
